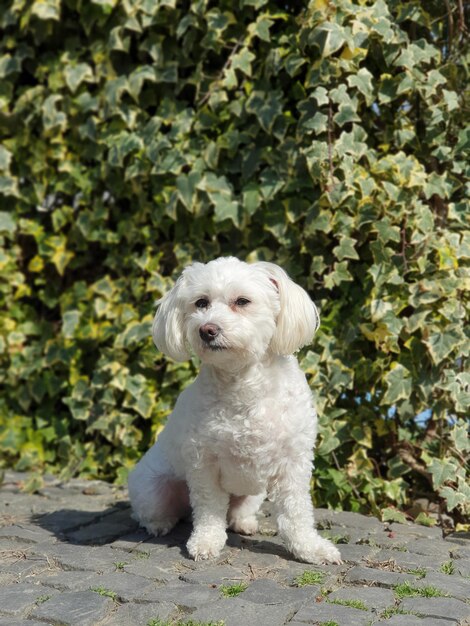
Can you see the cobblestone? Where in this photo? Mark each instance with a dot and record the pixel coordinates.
(71, 555)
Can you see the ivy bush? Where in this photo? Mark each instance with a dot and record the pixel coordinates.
(327, 136)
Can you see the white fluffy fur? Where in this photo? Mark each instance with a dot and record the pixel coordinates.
(245, 429)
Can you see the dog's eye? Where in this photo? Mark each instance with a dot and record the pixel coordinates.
(202, 303)
(242, 301)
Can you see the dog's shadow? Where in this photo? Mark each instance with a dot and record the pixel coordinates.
(115, 527)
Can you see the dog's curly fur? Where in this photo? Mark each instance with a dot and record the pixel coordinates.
(245, 429)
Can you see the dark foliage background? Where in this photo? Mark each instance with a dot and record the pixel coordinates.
(329, 137)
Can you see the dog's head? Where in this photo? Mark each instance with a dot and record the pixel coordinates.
(231, 313)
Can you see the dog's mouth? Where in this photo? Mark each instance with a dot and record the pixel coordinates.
(214, 347)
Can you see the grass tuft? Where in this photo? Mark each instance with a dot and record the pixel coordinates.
(105, 592)
(309, 577)
(420, 572)
(42, 599)
(355, 604)
(390, 611)
(230, 591)
(447, 568)
(406, 590)
(159, 622)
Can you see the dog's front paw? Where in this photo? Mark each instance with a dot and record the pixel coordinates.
(318, 551)
(206, 545)
(245, 525)
(160, 528)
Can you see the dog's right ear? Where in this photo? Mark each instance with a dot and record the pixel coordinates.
(168, 329)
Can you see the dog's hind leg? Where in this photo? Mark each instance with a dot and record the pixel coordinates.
(159, 500)
(242, 513)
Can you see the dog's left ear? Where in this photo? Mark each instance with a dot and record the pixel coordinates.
(298, 318)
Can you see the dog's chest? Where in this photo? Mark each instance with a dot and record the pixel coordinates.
(244, 445)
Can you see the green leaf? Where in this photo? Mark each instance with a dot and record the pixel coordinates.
(442, 344)
(224, 208)
(441, 471)
(425, 520)
(329, 37)
(51, 116)
(318, 123)
(135, 333)
(459, 435)
(5, 159)
(70, 321)
(453, 497)
(254, 3)
(321, 96)
(363, 81)
(9, 65)
(391, 514)
(251, 197)
(261, 28)
(75, 75)
(346, 249)
(186, 185)
(346, 115)
(7, 223)
(123, 145)
(399, 385)
(242, 61)
(267, 106)
(46, 9)
(139, 77)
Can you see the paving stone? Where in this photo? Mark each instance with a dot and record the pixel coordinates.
(268, 592)
(214, 575)
(64, 520)
(185, 595)
(17, 599)
(7, 579)
(461, 537)
(126, 586)
(374, 598)
(414, 531)
(242, 558)
(139, 614)
(447, 608)
(147, 568)
(81, 608)
(413, 620)
(25, 534)
(408, 560)
(105, 530)
(76, 557)
(381, 578)
(462, 567)
(20, 622)
(237, 611)
(352, 553)
(80, 534)
(331, 573)
(24, 565)
(453, 585)
(347, 519)
(439, 549)
(346, 535)
(317, 612)
(135, 540)
(459, 552)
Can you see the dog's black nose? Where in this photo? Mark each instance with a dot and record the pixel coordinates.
(208, 332)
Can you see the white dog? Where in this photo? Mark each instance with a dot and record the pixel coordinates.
(245, 429)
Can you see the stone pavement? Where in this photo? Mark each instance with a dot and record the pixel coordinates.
(72, 555)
